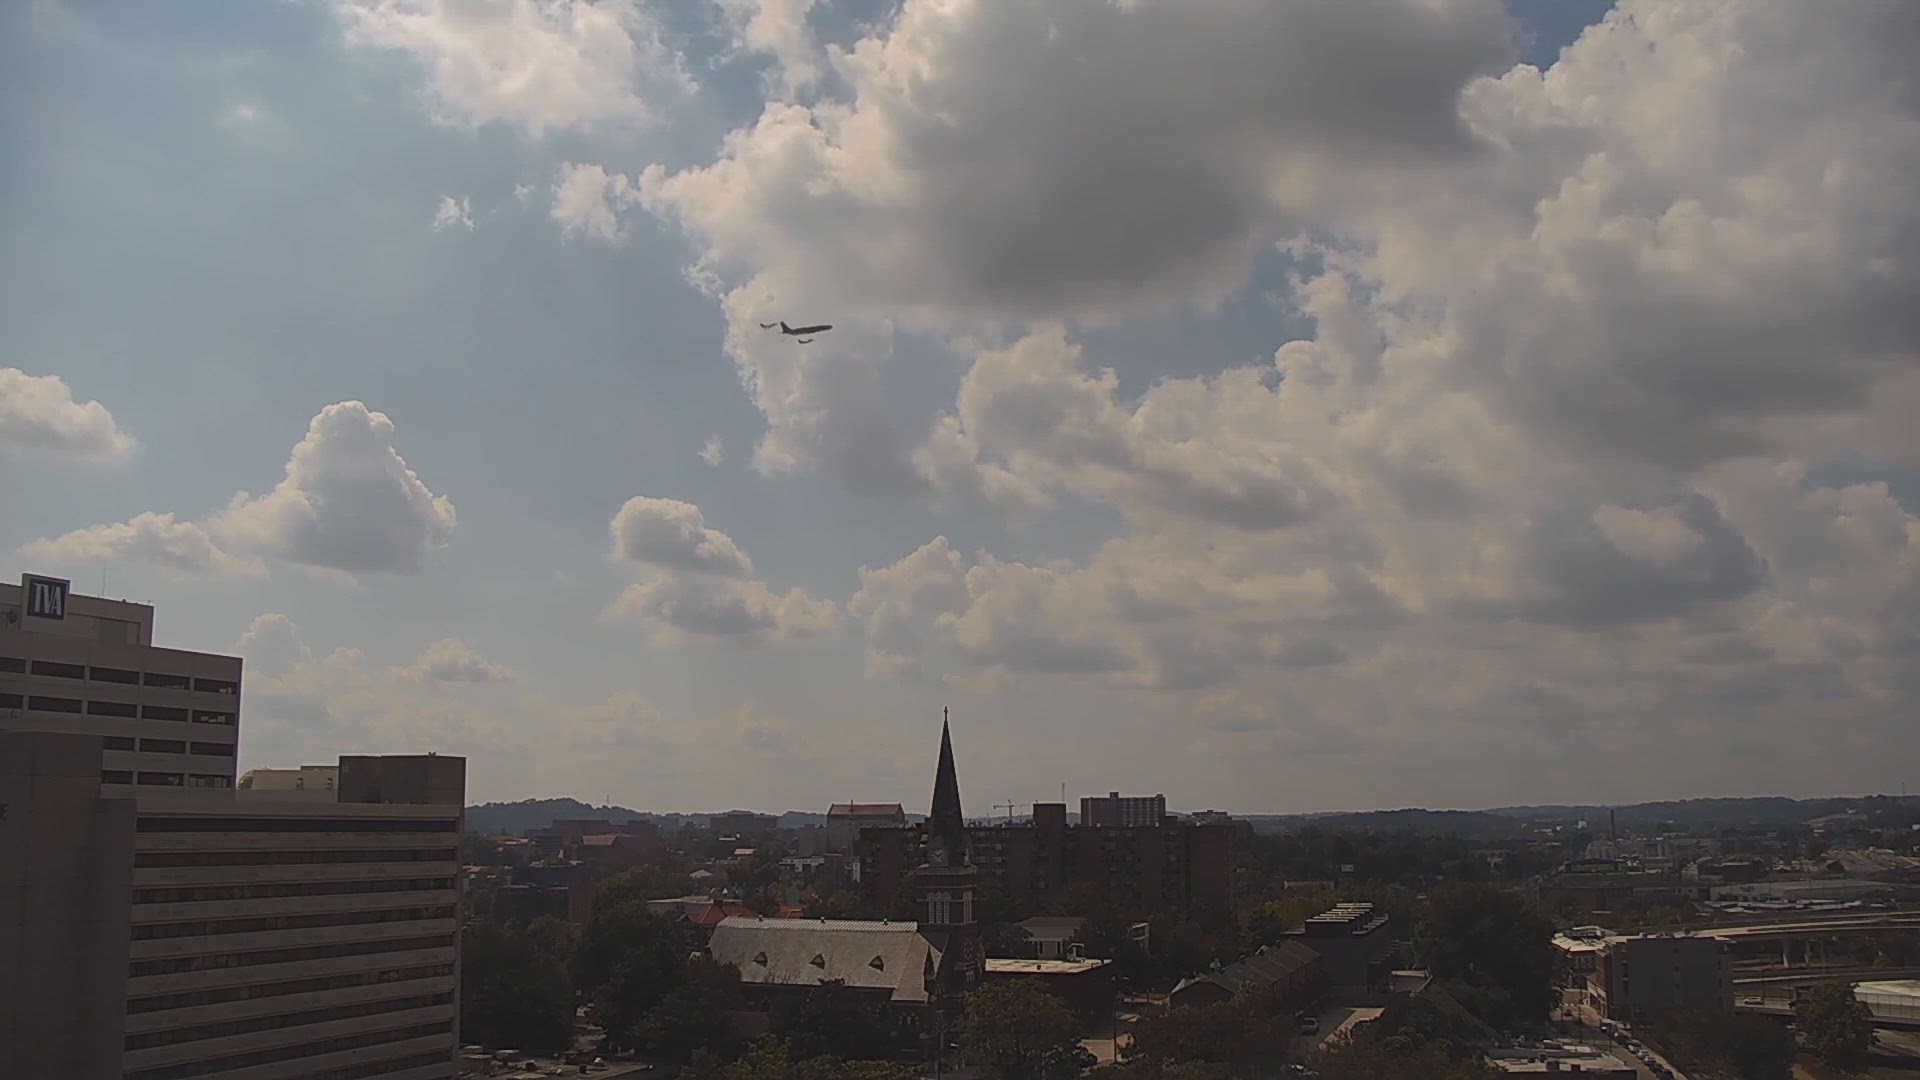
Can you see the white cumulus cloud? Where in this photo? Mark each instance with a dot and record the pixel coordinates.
(537, 65)
(38, 414)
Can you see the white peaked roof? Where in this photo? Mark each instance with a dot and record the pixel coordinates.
(806, 952)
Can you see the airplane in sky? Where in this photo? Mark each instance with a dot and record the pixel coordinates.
(800, 332)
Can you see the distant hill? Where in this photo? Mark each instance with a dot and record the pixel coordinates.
(531, 814)
(1766, 810)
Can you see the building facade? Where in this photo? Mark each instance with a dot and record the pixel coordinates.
(1165, 867)
(180, 930)
(1637, 976)
(1134, 812)
(845, 820)
(165, 718)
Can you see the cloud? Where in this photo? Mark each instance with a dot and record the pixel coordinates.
(714, 452)
(272, 645)
(179, 547)
(703, 606)
(348, 501)
(672, 534)
(589, 199)
(696, 582)
(1020, 158)
(453, 213)
(451, 660)
(537, 65)
(39, 415)
(778, 28)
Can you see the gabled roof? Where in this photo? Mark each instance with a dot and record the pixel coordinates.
(866, 809)
(715, 914)
(1266, 967)
(806, 952)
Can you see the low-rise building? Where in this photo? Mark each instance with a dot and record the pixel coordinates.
(1052, 937)
(1358, 943)
(1635, 976)
(1287, 975)
(1086, 986)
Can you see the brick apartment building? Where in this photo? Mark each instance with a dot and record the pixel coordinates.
(1179, 866)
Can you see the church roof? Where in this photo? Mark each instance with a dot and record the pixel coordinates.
(946, 825)
(893, 956)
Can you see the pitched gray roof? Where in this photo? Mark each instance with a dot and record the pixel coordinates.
(1264, 968)
(805, 952)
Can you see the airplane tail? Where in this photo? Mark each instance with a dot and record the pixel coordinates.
(784, 328)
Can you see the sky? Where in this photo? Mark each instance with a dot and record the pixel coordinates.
(1281, 406)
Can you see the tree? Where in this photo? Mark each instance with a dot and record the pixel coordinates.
(511, 993)
(773, 1060)
(1835, 1026)
(1713, 1045)
(840, 904)
(695, 1015)
(1020, 1031)
(1230, 1035)
(628, 961)
(831, 1018)
(1488, 938)
(1367, 1059)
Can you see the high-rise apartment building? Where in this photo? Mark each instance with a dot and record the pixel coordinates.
(1174, 867)
(1131, 812)
(174, 931)
(166, 718)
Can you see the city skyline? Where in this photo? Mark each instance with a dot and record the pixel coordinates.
(1456, 422)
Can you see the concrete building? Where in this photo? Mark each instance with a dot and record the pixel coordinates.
(845, 820)
(1134, 812)
(1577, 1060)
(1358, 944)
(1085, 986)
(312, 783)
(165, 718)
(1639, 975)
(187, 935)
(158, 922)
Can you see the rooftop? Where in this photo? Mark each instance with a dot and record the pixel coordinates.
(1043, 967)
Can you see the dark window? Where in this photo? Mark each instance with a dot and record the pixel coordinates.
(13, 665)
(116, 742)
(59, 671)
(215, 927)
(201, 716)
(291, 825)
(114, 675)
(162, 779)
(162, 712)
(115, 776)
(168, 682)
(219, 994)
(174, 965)
(193, 1069)
(216, 686)
(225, 1028)
(289, 858)
(163, 746)
(190, 894)
(54, 704)
(11, 701)
(112, 708)
(213, 749)
(208, 780)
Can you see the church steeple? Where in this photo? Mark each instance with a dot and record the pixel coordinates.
(946, 824)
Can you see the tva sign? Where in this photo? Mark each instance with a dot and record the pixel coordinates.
(46, 598)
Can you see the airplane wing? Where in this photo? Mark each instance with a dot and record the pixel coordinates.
(812, 329)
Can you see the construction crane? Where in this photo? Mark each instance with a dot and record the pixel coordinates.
(1010, 807)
